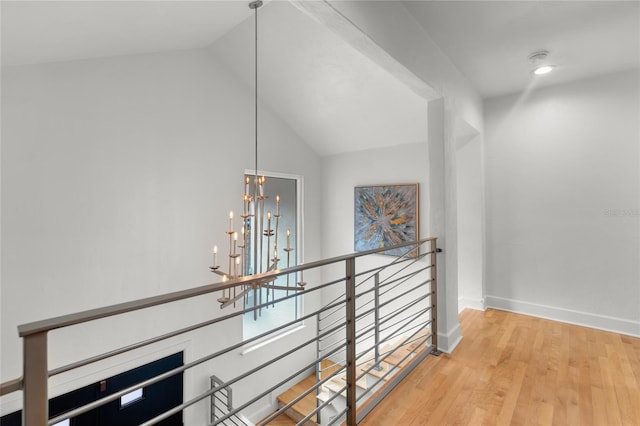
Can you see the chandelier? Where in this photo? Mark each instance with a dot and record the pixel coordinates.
(256, 248)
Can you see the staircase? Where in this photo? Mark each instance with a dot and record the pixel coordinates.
(372, 380)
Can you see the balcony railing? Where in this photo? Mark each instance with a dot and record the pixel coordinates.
(372, 318)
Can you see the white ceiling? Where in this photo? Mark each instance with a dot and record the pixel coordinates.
(51, 31)
(331, 95)
(328, 92)
(490, 41)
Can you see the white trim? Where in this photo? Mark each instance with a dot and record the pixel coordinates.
(476, 304)
(268, 340)
(448, 342)
(569, 316)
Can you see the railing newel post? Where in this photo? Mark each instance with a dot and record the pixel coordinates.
(350, 296)
(318, 368)
(434, 296)
(35, 386)
(376, 295)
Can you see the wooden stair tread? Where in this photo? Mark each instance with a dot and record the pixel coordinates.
(300, 409)
(342, 379)
(323, 396)
(419, 341)
(394, 358)
(374, 372)
(335, 387)
(328, 368)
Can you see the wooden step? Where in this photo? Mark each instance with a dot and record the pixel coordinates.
(419, 341)
(378, 373)
(342, 380)
(303, 407)
(394, 355)
(323, 396)
(336, 386)
(328, 368)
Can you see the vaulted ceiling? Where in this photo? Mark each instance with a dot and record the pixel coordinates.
(334, 97)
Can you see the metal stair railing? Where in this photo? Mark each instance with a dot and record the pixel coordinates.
(387, 302)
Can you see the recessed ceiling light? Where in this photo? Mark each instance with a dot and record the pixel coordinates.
(540, 63)
(544, 69)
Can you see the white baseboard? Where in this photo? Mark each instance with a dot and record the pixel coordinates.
(476, 304)
(585, 319)
(448, 342)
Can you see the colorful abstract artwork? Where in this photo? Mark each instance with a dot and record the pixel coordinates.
(385, 215)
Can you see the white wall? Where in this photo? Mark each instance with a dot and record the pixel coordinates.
(117, 178)
(341, 173)
(469, 180)
(563, 193)
(390, 26)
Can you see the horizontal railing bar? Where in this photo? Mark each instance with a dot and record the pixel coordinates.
(194, 327)
(277, 385)
(179, 408)
(302, 395)
(401, 375)
(365, 372)
(120, 308)
(336, 330)
(216, 407)
(386, 283)
(401, 280)
(393, 299)
(399, 260)
(396, 261)
(384, 354)
(387, 338)
(11, 386)
(398, 312)
(336, 418)
(408, 321)
(389, 316)
(424, 311)
(283, 355)
(173, 372)
(304, 420)
(334, 322)
(95, 404)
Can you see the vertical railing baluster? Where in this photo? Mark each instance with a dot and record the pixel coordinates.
(376, 301)
(350, 296)
(434, 295)
(318, 368)
(35, 398)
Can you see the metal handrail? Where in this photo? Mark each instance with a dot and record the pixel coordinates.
(34, 334)
(149, 302)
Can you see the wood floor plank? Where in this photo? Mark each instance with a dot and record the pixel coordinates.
(518, 370)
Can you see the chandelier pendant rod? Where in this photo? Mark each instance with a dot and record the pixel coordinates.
(256, 231)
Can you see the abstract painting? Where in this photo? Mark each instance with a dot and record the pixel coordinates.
(386, 215)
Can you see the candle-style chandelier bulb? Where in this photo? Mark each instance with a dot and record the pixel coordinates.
(249, 255)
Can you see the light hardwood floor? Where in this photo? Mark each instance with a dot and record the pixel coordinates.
(518, 370)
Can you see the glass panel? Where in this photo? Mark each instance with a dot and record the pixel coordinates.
(283, 218)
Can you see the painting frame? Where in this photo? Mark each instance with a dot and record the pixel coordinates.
(386, 215)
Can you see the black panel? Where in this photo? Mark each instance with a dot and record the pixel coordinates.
(157, 398)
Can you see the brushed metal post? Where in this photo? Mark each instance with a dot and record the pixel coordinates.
(35, 399)
(434, 297)
(318, 367)
(376, 299)
(350, 299)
